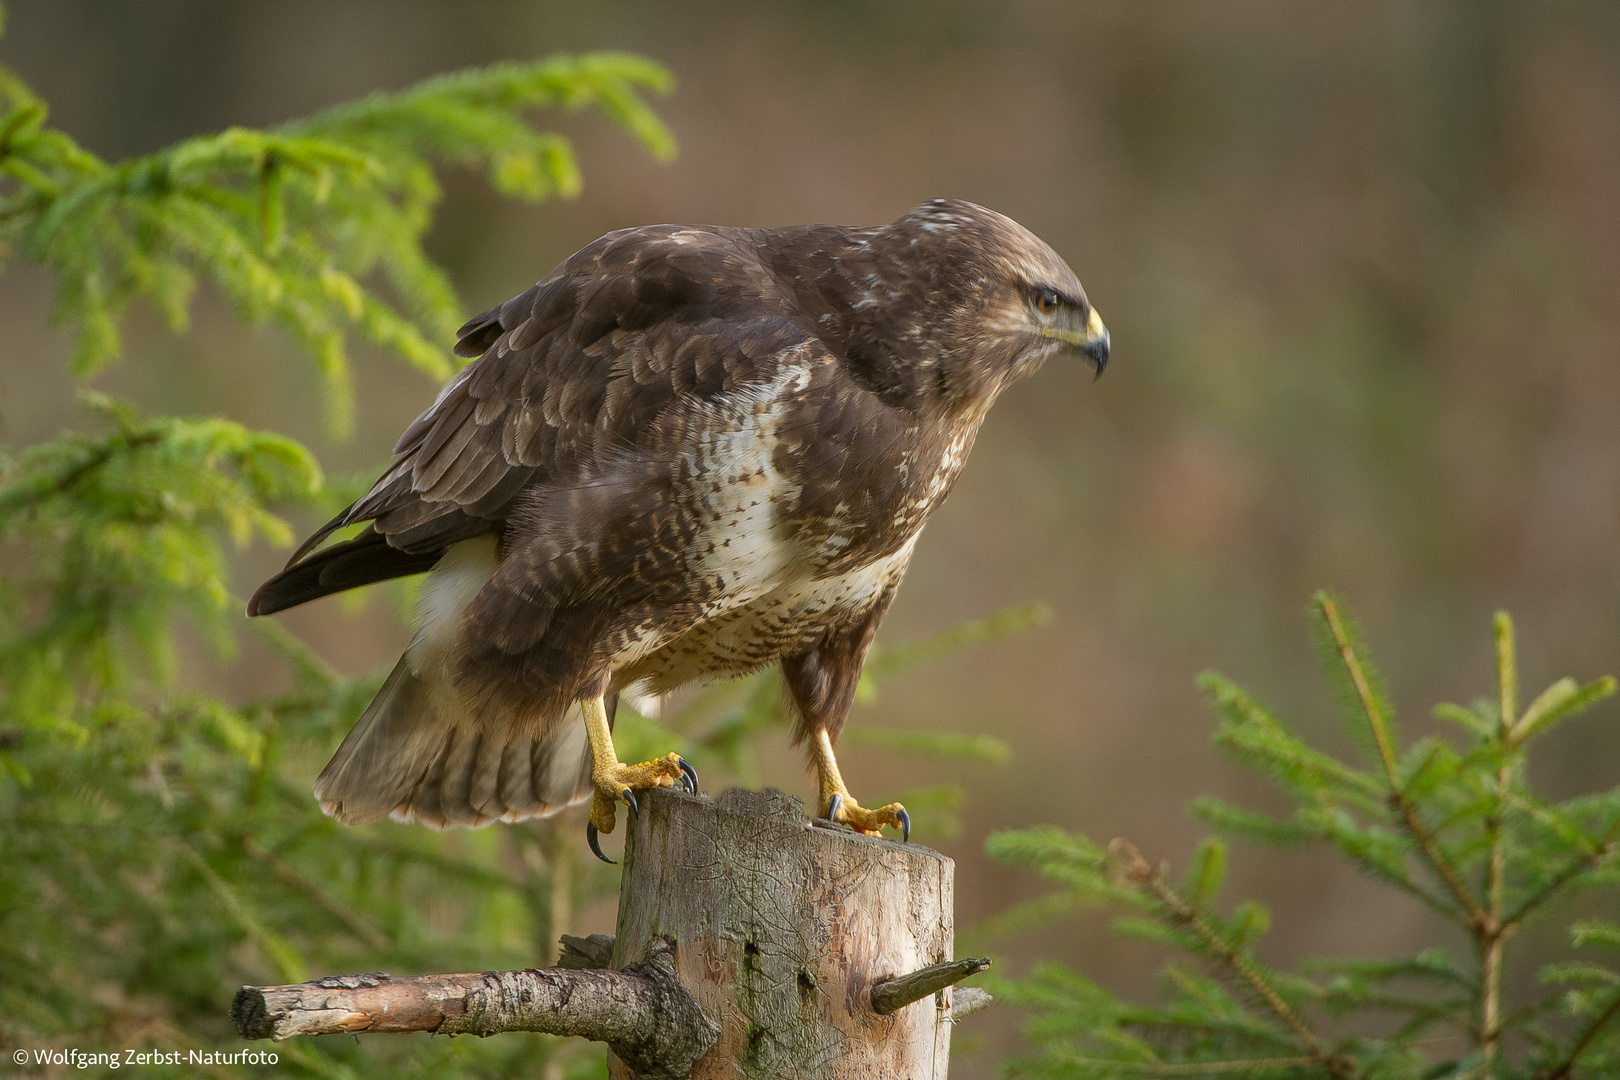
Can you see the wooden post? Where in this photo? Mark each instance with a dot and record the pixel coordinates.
(752, 942)
(783, 929)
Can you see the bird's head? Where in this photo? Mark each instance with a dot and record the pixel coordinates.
(968, 301)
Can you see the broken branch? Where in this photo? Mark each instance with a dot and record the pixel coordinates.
(894, 994)
(643, 1013)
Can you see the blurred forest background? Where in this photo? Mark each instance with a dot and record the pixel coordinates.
(1361, 264)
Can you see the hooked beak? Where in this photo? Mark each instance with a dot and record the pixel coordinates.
(1092, 341)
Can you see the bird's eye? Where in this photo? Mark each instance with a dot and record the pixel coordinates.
(1047, 302)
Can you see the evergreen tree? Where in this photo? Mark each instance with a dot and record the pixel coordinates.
(1453, 826)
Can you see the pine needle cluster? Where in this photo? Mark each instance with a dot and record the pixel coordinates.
(1452, 825)
(293, 222)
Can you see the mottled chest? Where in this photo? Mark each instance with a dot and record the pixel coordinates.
(802, 510)
(794, 617)
(870, 500)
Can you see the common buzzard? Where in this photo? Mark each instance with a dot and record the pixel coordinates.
(687, 452)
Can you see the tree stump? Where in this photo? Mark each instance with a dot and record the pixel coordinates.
(783, 928)
(752, 942)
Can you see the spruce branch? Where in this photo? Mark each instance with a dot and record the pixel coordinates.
(294, 223)
(1565, 1068)
(1563, 699)
(1468, 811)
(1492, 933)
(1507, 669)
(1397, 795)
(1117, 1066)
(275, 948)
(304, 659)
(1595, 857)
(977, 632)
(290, 877)
(1145, 876)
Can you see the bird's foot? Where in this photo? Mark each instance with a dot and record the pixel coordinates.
(842, 808)
(616, 782)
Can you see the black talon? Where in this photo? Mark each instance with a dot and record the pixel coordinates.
(832, 807)
(596, 846)
(630, 797)
(905, 825)
(689, 778)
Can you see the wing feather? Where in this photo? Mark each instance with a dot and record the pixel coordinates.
(581, 365)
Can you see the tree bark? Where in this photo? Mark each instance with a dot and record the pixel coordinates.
(752, 943)
(895, 994)
(785, 927)
(642, 1012)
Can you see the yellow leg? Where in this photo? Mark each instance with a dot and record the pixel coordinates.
(839, 805)
(615, 780)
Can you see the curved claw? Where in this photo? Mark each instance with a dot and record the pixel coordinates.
(630, 798)
(595, 843)
(832, 807)
(689, 776)
(905, 825)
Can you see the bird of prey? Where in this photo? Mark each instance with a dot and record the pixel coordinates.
(687, 452)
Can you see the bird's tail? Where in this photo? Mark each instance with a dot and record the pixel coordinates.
(416, 756)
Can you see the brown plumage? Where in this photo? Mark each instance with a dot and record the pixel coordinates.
(687, 452)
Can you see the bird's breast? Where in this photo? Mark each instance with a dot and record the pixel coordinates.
(738, 502)
(792, 618)
(876, 498)
(788, 535)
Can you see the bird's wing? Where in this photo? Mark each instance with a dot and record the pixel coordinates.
(577, 368)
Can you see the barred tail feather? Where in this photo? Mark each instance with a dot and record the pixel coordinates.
(414, 757)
